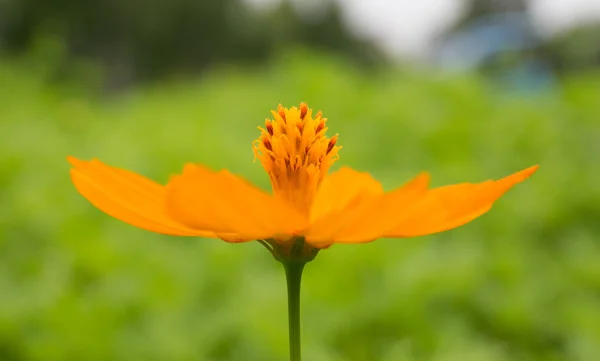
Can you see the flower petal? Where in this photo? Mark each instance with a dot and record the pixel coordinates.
(227, 204)
(341, 190)
(366, 220)
(127, 196)
(452, 206)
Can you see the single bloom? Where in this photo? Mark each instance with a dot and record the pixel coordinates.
(306, 202)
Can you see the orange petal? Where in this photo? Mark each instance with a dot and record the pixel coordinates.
(452, 206)
(366, 220)
(341, 190)
(227, 204)
(127, 196)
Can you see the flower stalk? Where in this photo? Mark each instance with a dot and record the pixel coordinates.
(293, 273)
(293, 255)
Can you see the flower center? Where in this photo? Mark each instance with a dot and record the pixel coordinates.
(296, 153)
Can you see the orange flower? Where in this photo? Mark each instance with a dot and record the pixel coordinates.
(307, 203)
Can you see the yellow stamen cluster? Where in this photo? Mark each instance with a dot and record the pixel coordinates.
(296, 153)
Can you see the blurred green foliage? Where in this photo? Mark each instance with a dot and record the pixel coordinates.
(145, 40)
(521, 283)
(575, 50)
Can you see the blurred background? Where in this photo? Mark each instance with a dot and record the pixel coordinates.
(468, 90)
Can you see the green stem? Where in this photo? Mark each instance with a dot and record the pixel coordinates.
(293, 274)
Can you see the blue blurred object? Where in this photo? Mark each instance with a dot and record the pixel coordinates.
(503, 46)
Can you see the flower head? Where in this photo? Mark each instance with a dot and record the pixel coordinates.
(296, 153)
(307, 204)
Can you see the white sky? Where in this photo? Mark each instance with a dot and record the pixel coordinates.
(407, 27)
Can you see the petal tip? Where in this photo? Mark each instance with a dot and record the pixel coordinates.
(528, 172)
(73, 160)
(533, 168)
(77, 163)
(422, 180)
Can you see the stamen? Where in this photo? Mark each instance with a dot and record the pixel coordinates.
(320, 126)
(281, 111)
(267, 144)
(303, 110)
(269, 127)
(331, 144)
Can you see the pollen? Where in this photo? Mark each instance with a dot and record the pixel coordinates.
(296, 153)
